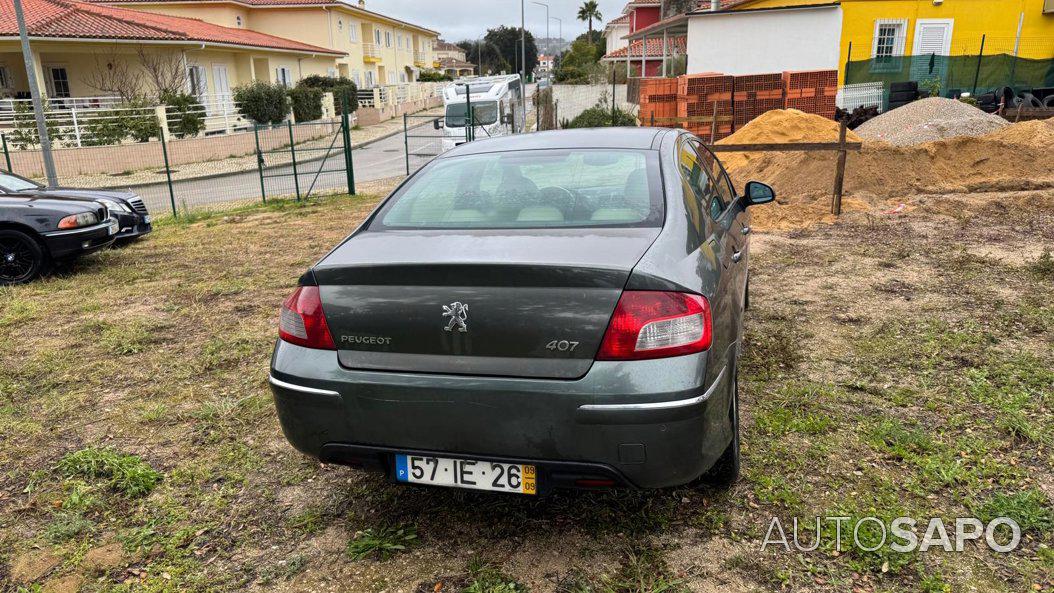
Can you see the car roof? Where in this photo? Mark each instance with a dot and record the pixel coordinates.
(629, 138)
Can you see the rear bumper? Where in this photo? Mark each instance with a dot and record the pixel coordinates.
(66, 244)
(645, 424)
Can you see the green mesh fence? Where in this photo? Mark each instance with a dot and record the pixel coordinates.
(974, 74)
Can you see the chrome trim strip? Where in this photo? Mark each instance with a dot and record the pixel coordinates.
(86, 229)
(301, 388)
(669, 405)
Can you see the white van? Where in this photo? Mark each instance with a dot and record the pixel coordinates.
(496, 103)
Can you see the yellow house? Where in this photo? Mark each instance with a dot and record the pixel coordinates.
(84, 55)
(379, 49)
(892, 28)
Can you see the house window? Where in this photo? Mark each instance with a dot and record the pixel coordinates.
(5, 78)
(60, 82)
(402, 77)
(238, 20)
(377, 36)
(199, 85)
(353, 31)
(340, 25)
(284, 76)
(369, 79)
(387, 38)
(358, 79)
(888, 44)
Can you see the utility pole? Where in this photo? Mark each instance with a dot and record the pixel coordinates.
(523, 63)
(38, 104)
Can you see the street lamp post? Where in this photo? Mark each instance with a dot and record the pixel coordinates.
(547, 39)
(560, 21)
(523, 62)
(34, 92)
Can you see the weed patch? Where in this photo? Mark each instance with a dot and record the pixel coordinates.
(382, 542)
(127, 474)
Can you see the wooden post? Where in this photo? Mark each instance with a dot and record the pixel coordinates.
(839, 173)
(713, 124)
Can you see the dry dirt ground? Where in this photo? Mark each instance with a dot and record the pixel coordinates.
(895, 365)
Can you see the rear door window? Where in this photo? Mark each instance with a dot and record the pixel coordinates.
(531, 189)
(724, 195)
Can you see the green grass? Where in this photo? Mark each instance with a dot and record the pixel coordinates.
(127, 474)
(382, 542)
(1030, 509)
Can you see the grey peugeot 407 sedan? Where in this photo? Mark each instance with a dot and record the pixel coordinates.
(561, 309)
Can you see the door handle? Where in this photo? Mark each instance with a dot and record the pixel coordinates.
(737, 256)
(745, 231)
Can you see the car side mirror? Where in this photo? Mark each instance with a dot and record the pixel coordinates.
(437, 124)
(507, 119)
(757, 193)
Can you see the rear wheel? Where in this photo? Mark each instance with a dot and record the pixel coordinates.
(725, 472)
(21, 257)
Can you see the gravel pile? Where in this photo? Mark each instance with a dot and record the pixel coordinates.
(935, 118)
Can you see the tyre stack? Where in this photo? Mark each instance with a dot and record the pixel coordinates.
(902, 93)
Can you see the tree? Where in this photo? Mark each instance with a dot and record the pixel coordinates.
(589, 11)
(165, 69)
(506, 40)
(485, 56)
(113, 74)
(579, 65)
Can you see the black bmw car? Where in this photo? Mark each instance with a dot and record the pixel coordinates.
(37, 229)
(126, 207)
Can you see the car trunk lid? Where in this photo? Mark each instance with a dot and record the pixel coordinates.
(524, 303)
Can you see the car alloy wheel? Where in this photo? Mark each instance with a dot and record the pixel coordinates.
(21, 257)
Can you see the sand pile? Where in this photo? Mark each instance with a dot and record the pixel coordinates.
(784, 126)
(1015, 157)
(935, 118)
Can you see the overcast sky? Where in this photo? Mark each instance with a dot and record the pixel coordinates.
(468, 19)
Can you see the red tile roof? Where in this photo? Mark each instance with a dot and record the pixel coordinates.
(654, 50)
(70, 19)
(622, 20)
(347, 4)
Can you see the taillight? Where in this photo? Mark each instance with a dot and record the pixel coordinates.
(302, 321)
(651, 324)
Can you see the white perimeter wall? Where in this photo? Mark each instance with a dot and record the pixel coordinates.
(765, 41)
(573, 99)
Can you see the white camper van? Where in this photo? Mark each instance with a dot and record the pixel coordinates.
(495, 102)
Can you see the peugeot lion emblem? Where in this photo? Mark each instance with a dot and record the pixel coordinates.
(458, 314)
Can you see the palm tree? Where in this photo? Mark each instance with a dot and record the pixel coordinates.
(589, 11)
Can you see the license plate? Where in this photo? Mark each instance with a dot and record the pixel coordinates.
(467, 473)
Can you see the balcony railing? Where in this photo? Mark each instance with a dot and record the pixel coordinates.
(371, 52)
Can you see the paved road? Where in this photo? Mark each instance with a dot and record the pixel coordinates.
(379, 160)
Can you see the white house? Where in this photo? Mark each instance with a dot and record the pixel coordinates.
(754, 41)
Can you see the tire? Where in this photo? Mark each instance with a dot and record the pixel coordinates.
(899, 87)
(22, 258)
(903, 96)
(725, 471)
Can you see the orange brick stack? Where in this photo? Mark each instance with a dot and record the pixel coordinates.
(658, 102)
(755, 94)
(812, 91)
(697, 94)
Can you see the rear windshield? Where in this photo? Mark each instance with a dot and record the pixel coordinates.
(531, 189)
